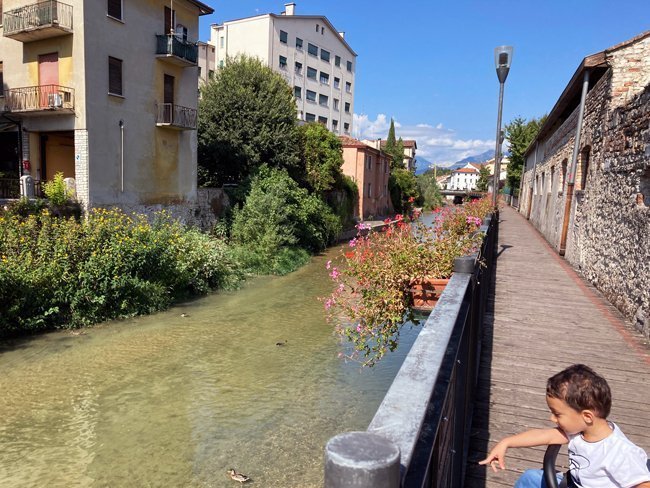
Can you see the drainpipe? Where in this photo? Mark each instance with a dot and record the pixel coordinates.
(121, 156)
(574, 164)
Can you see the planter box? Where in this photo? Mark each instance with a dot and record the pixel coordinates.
(426, 293)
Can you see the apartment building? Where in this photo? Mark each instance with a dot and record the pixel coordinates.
(106, 93)
(369, 168)
(206, 62)
(310, 54)
(464, 178)
(410, 146)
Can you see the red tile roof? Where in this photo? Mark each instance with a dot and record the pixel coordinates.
(407, 143)
(465, 170)
(347, 141)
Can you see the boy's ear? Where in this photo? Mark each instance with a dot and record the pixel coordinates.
(588, 416)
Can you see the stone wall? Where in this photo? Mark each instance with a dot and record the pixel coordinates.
(609, 228)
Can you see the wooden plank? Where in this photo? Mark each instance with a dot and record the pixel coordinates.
(541, 319)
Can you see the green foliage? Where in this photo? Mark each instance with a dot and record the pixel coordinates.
(403, 188)
(321, 155)
(344, 199)
(279, 220)
(483, 179)
(247, 117)
(429, 191)
(59, 273)
(394, 148)
(520, 133)
(26, 206)
(56, 191)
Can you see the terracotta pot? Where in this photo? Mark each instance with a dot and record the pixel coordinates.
(426, 292)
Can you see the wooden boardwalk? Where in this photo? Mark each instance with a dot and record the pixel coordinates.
(544, 318)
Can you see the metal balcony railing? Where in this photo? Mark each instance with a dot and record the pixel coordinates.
(42, 98)
(55, 16)
(172, 45)
(176, 116)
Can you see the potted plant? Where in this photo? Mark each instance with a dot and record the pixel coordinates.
(383, 277)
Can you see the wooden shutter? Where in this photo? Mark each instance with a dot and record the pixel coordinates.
(115, 8)
(115, 76)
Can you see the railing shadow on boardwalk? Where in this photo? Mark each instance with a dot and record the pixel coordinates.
(420, 435)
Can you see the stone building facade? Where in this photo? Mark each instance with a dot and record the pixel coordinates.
(607, 235)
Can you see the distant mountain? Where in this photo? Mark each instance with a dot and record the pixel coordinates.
(478, 158)
(421, 165)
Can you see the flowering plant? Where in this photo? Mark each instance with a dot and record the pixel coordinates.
(371, 299)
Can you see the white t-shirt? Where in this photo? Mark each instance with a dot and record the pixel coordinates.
(613, 462)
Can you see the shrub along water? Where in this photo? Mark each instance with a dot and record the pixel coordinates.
(62, 273)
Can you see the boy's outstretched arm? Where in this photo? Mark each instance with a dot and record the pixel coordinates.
(530, 438)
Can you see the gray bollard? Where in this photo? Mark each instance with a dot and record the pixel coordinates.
(361, 460)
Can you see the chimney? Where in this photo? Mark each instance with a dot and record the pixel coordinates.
(289, 8)
(342, 34)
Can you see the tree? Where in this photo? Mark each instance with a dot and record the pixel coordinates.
(247, 117)
(403, 189)
(483, 179)
(429, 190)
(321, 157)
(520, 133)
(394, 148)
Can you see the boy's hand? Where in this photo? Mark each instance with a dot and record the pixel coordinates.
(497, 455)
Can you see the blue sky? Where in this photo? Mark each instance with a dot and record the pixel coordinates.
(429, 64)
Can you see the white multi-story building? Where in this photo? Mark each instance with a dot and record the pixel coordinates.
(464, 178)
(307, 51)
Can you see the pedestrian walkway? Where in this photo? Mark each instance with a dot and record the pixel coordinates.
(543, 318)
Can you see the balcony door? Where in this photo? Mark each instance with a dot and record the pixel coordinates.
(48, 78)
(168, 98)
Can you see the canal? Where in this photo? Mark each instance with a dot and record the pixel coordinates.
(177, 398)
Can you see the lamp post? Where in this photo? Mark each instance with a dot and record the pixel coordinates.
(502, 61)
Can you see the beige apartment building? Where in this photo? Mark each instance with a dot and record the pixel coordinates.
(104, 92)
(369, 168)
(410, 146)
(312, 56)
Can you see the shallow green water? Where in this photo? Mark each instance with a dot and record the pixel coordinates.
(167, 400)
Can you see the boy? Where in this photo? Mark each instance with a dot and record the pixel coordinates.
(599, 453)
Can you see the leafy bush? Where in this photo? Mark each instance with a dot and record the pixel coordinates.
(56, 191)
(279, 215)
(59, 273)
(26, 206)
(403, 189)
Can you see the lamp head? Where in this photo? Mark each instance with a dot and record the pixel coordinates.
(502, 61)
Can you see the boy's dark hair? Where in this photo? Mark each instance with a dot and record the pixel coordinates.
(582, 389)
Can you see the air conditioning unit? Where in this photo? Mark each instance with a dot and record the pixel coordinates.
(55, 100)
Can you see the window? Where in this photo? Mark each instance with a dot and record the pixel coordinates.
(324, 78)
(322, 31)
(221, 64)
(564, 165)
(311, 49)
(311, 96)
(310, 117)
(347, 107)
(170, 20)
(325, 55)
(283, 62)
(322, 120)
(298, 44)
(369, 190)
(311, 73)
(211, 72)
(297, 92)
(222, 42)
(337, 60)
(284, 37)
(336, 104)
(550, 187)
(368, 161)
(115, 76)
(349, 64)
(348, 87)
(323, 100)
(335, 125)
(298, 68)
(337, 83)
(114, 9)
(317, 27)
(583, 168)
(346, 127)
(2, 93)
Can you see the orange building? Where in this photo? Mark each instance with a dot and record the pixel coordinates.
(369, 168)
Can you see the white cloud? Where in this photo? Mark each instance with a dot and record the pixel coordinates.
(436, 143)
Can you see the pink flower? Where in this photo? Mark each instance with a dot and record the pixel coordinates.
(335, 273)
(329, 264)
(328, 303)
(359, 328)
(353, 242)
(341, 287)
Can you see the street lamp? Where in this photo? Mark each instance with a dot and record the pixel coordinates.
(502, 61)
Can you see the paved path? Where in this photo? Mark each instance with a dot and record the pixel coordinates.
(544, 318)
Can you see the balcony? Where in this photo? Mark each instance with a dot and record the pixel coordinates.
(40, 100)
(176, 117)
(176, 50)
(38, 21)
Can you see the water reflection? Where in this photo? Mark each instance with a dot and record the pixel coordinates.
(168, 400)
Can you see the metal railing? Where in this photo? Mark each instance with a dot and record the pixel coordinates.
(34, 16)
(176, 116)
(36, 98)
(9, 188)
(177, 46)
(419, 436)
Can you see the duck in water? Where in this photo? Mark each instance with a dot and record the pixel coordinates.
(234, 475)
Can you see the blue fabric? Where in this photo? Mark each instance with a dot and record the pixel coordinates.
(534, 478)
